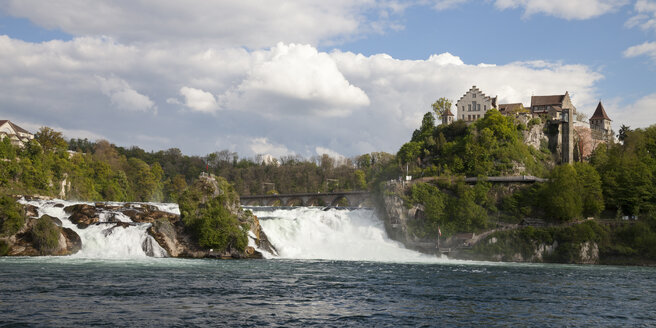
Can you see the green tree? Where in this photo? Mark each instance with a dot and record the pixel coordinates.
(409, 152)
(562, 195)
(11, 218)
(50, 139)
(590, 183)
(440, 106)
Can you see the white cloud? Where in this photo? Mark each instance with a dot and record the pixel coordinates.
(298, 97)
(298, 80)
(640, 114)
(567, 9)
(402, 90)
(123, 96)
(447, 4)
(249, 23)
(339, 158)
(645, 16)
(262, 146)
(199, 100)
(645, 49)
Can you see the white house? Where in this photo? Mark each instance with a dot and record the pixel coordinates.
(474, 104)
(18, 136)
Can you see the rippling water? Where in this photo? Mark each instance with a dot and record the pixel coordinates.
(65, 291)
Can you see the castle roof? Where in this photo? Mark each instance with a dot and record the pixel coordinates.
(547, 100)
(447, 113)
(510, 107)
(600, 113)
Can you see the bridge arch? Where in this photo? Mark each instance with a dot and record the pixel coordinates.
(315, 201)
(252, 202)
(274, 202)
(295, 201)
(340, 201)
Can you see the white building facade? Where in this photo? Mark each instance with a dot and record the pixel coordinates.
(474, 104)
(17, 135)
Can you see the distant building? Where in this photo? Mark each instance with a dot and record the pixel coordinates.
(507, 109)
(17, 135)
(474, 104)
(447, 117)
(600, 124)
(552, 105)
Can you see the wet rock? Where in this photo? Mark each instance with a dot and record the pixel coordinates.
(164, 233)
(251, 253)
(82, 221)
(73, 240)
(82, 215)
(30, 211)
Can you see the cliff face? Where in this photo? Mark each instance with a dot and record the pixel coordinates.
(503, 242)
(397, 217)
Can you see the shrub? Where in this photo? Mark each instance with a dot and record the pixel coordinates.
(45, 235)
(11, 219)
(4, 248)
(211, 223)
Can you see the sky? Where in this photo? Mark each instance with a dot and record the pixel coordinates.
(310, 77)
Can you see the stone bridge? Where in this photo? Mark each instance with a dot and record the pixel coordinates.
(343, 198)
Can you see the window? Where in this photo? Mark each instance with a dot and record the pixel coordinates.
(479, 107)
(473, 95)
(469, 108)
(463, 115)
(468, 117)
(473, 105)
(484, 107)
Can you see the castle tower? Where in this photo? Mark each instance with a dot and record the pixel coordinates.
(600, 124)
(567, 131)
(447, 117)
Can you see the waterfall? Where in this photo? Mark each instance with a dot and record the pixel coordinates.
(107, 239)
(334, 234)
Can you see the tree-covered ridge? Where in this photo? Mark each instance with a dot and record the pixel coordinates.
(100, 170)
(491, 146)
(628, 172)
(619, 178)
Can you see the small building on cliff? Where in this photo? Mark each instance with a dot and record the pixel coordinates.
(447, 117)
(600, 124)
(474, 104)
(552, 105)
(17, 135)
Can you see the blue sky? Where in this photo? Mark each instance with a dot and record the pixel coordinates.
(310, 77)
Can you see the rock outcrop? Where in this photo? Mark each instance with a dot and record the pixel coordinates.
(23, 244)
(171, 233)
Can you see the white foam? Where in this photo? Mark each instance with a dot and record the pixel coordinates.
(107, 241)
(354, 235)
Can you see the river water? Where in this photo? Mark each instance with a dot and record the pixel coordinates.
(322, 276)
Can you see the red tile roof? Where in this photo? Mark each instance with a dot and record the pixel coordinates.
(600, 113)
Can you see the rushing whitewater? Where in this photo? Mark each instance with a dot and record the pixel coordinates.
(335, 234)
(106, 240)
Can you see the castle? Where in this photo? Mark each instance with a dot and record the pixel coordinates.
(558, 110)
